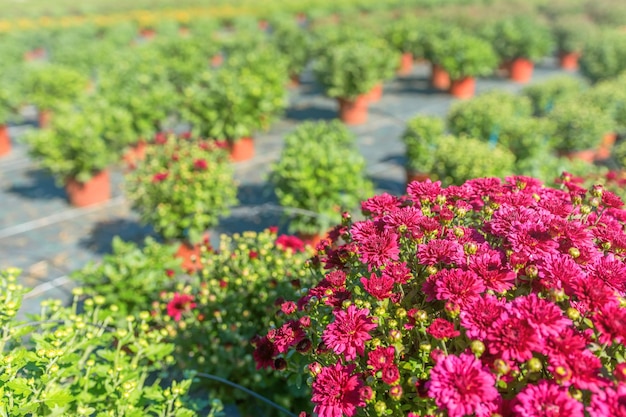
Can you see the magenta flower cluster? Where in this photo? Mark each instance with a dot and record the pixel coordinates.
(493, 298)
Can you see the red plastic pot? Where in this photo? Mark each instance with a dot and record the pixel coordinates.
(416, 176)
(587, 155)
(375, 94)
(569, 61)
(5, 140)
(406, 64)
(95, 191)
(241, 149)
(190, 255)
(521, 70)
(353, 112)
(43, 118)
(606, 145)
(463, 88)
(439, 78)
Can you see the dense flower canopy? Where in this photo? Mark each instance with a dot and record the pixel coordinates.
(493, 297)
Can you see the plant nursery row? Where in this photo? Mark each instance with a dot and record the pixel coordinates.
(493, 287)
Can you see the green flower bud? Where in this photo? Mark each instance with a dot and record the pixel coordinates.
(478, 347)
(534, 365)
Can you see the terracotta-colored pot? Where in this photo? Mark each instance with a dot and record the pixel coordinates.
(439, 78)
(301, 18)
(35, 54)
(148, 33)
(5, 140)
(95, 191)
(406, 64)
(217, 60)
(241, 149)
(606, 145)
(263, 24)
(521, 70)
(463, 88)
(569, 61)
(43, 118)
(190, 255)
(184, 31)
(353, 112)
(375, 94)
(587, 155)
(415, 176)
(312, 239)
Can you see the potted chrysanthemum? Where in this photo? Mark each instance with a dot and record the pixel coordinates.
(489, 298)
(182, 189)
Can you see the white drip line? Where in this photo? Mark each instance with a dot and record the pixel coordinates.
(56, 218)
(47, 286)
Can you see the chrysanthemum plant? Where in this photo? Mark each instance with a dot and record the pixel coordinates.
(492, 298)
(236, 294)
(85, 360)
(183, 187)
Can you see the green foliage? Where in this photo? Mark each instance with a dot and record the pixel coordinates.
(138, 82)
(83, 362)
(320, 170)
(577, 127)
(403, 34)
(458, 159)
(10, 94)
(50, 85)
(527, 138)
(121, 34)
(546, 94)
(519, 37)
(234, 293)
(619, 153)
(484, 116)
(131, 277)
(610, 97)
(571, 32)
(604, 55)
(183, 58)
(420, 137)
(82, 53)
(463, 55)
(245, 95)
(352, 68)
(182, 188)
(294, 43)
(75, 145)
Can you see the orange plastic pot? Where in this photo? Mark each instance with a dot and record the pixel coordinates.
(569, 61)
(463, 88)
(521, 70)
(95, 191)
(241, 149)
(412, 176)
(406, 64)
(353, 112)
(5, 140)
(190, 255)
(43, 118)
(135, 154)
(587, 155)
(606, 145)
(439, 78)
(375, 94)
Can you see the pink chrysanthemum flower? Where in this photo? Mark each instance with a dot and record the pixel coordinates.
(348, 333)
(381, 357)
(581, 369)
(558, 271)
(611, 270)
(398, 272)
(478, 315)
(289, 334)
(379, 287)
(458, 286)
(380, 205)
(375, 246)
(462, 386)
(294, 243)
(542, 315)
(180, 304)
(264, 353)
(610, 323)
(409, 218)
(512, 338)
(442, 329)
(424, 191)
(336, 392)
(546, 399)
(489, 265)
(609, 402)
(440, 251)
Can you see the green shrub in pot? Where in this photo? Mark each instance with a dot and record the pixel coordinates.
(610, 97)
(246, 95)
(571, 32)
(577, 127)
(604, 55)
(350, 69)
(420, 138)
(323, 185)
(519, 36)
(138, 82)
(403, 34)
(48, 86)
(183, 59)
(463, 55)
(546, 94)
(526, 137)
(182, 188)
(294, 43)
(74, 147)
(458, 159)
(483, 116)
